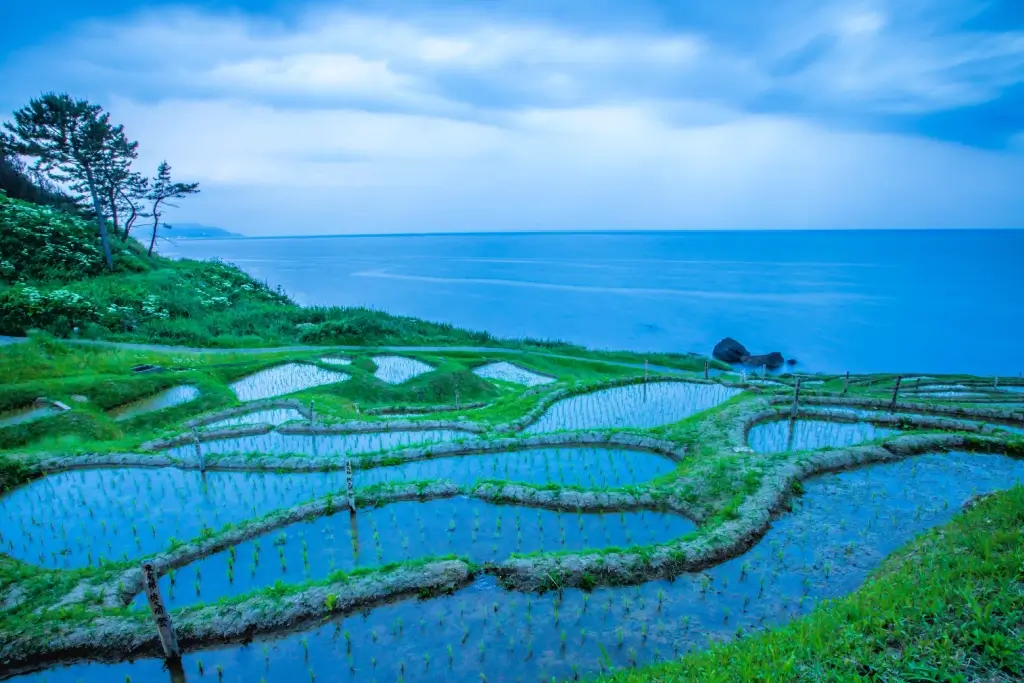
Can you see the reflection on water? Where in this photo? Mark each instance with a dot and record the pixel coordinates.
(645, 405)
(165, 399)
(839, 530)
(284, 379)
(779, 436)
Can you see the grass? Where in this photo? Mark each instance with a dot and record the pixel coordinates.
(947, 607)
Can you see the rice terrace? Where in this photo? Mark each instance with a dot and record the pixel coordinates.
(474, 513)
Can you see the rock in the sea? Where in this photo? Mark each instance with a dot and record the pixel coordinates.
(770, 360)
(729, 351)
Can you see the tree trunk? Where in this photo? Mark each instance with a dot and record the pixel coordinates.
(156, 223)
(98, 208)
(130, 222)
(113, 211)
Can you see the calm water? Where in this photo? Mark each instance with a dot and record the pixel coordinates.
(915, 301)
(839, 530)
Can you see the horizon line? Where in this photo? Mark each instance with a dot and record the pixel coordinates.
(477, 233)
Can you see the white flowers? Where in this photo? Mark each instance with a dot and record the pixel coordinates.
(151, 307)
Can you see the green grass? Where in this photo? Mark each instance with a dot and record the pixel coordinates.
(947, 607)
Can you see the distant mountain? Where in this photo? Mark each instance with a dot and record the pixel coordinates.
(189, 231)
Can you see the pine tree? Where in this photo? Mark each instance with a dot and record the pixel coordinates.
(164, 189)
(73, 142)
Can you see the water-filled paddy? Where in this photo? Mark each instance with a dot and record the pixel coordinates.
(874, 414)
(645, 405)
(165, 399)
(284, 379)
(398, 369)
(481, 531)
(318, 444)
(839, 531)
(13, 417)
(276, 416)
(779, 436)
(589, 468)
(71, 519)
(334, 360)
(507, 372)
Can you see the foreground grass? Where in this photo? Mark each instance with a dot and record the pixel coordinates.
(948, 607)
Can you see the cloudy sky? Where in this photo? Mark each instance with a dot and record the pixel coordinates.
(402, 116)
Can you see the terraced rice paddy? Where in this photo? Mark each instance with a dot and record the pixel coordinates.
(284, 379)
(481, 531)
(318, 444)
(645, 405)
(780, 436)
(507, 372)
(275, 417)
(589, 468)
(398, 369)
(13, 417)
(522, 525)
(334, 360)
(839, 530)
(168, 398)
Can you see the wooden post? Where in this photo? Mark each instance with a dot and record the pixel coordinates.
(764, 371)
(356, 407)
(312, 415)
(895, 394)
(348, 486)
(705, 369)
(456, 399)
(796, 400)
(846, 384)
(354, 530)
(164, 628)
(199, 449)
(995, 382)
(645, 369)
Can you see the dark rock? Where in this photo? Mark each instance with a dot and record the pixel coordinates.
(791, 361)
(729, 351)
(146, 367)
(770, 360)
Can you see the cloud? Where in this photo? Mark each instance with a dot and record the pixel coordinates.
(331, 121)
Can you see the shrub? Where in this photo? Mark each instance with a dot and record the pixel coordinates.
(58, 311)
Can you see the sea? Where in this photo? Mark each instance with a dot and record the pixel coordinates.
(860, 301)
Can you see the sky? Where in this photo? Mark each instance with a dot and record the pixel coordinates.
(507, 115)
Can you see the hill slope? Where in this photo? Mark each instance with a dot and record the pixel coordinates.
(52, 278)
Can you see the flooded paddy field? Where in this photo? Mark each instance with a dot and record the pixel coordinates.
(165, 399)
(840, 529)
(399, 369)
(319, 444)
(479, 531)
(76, 518)
(284, 379)
(645, 405)
(275, 417)
(780, 436)
(13, 417)
(507, 372)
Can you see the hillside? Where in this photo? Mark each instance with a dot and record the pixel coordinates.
(52, 278)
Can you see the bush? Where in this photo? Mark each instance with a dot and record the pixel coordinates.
(39, 243)
(58, 311)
